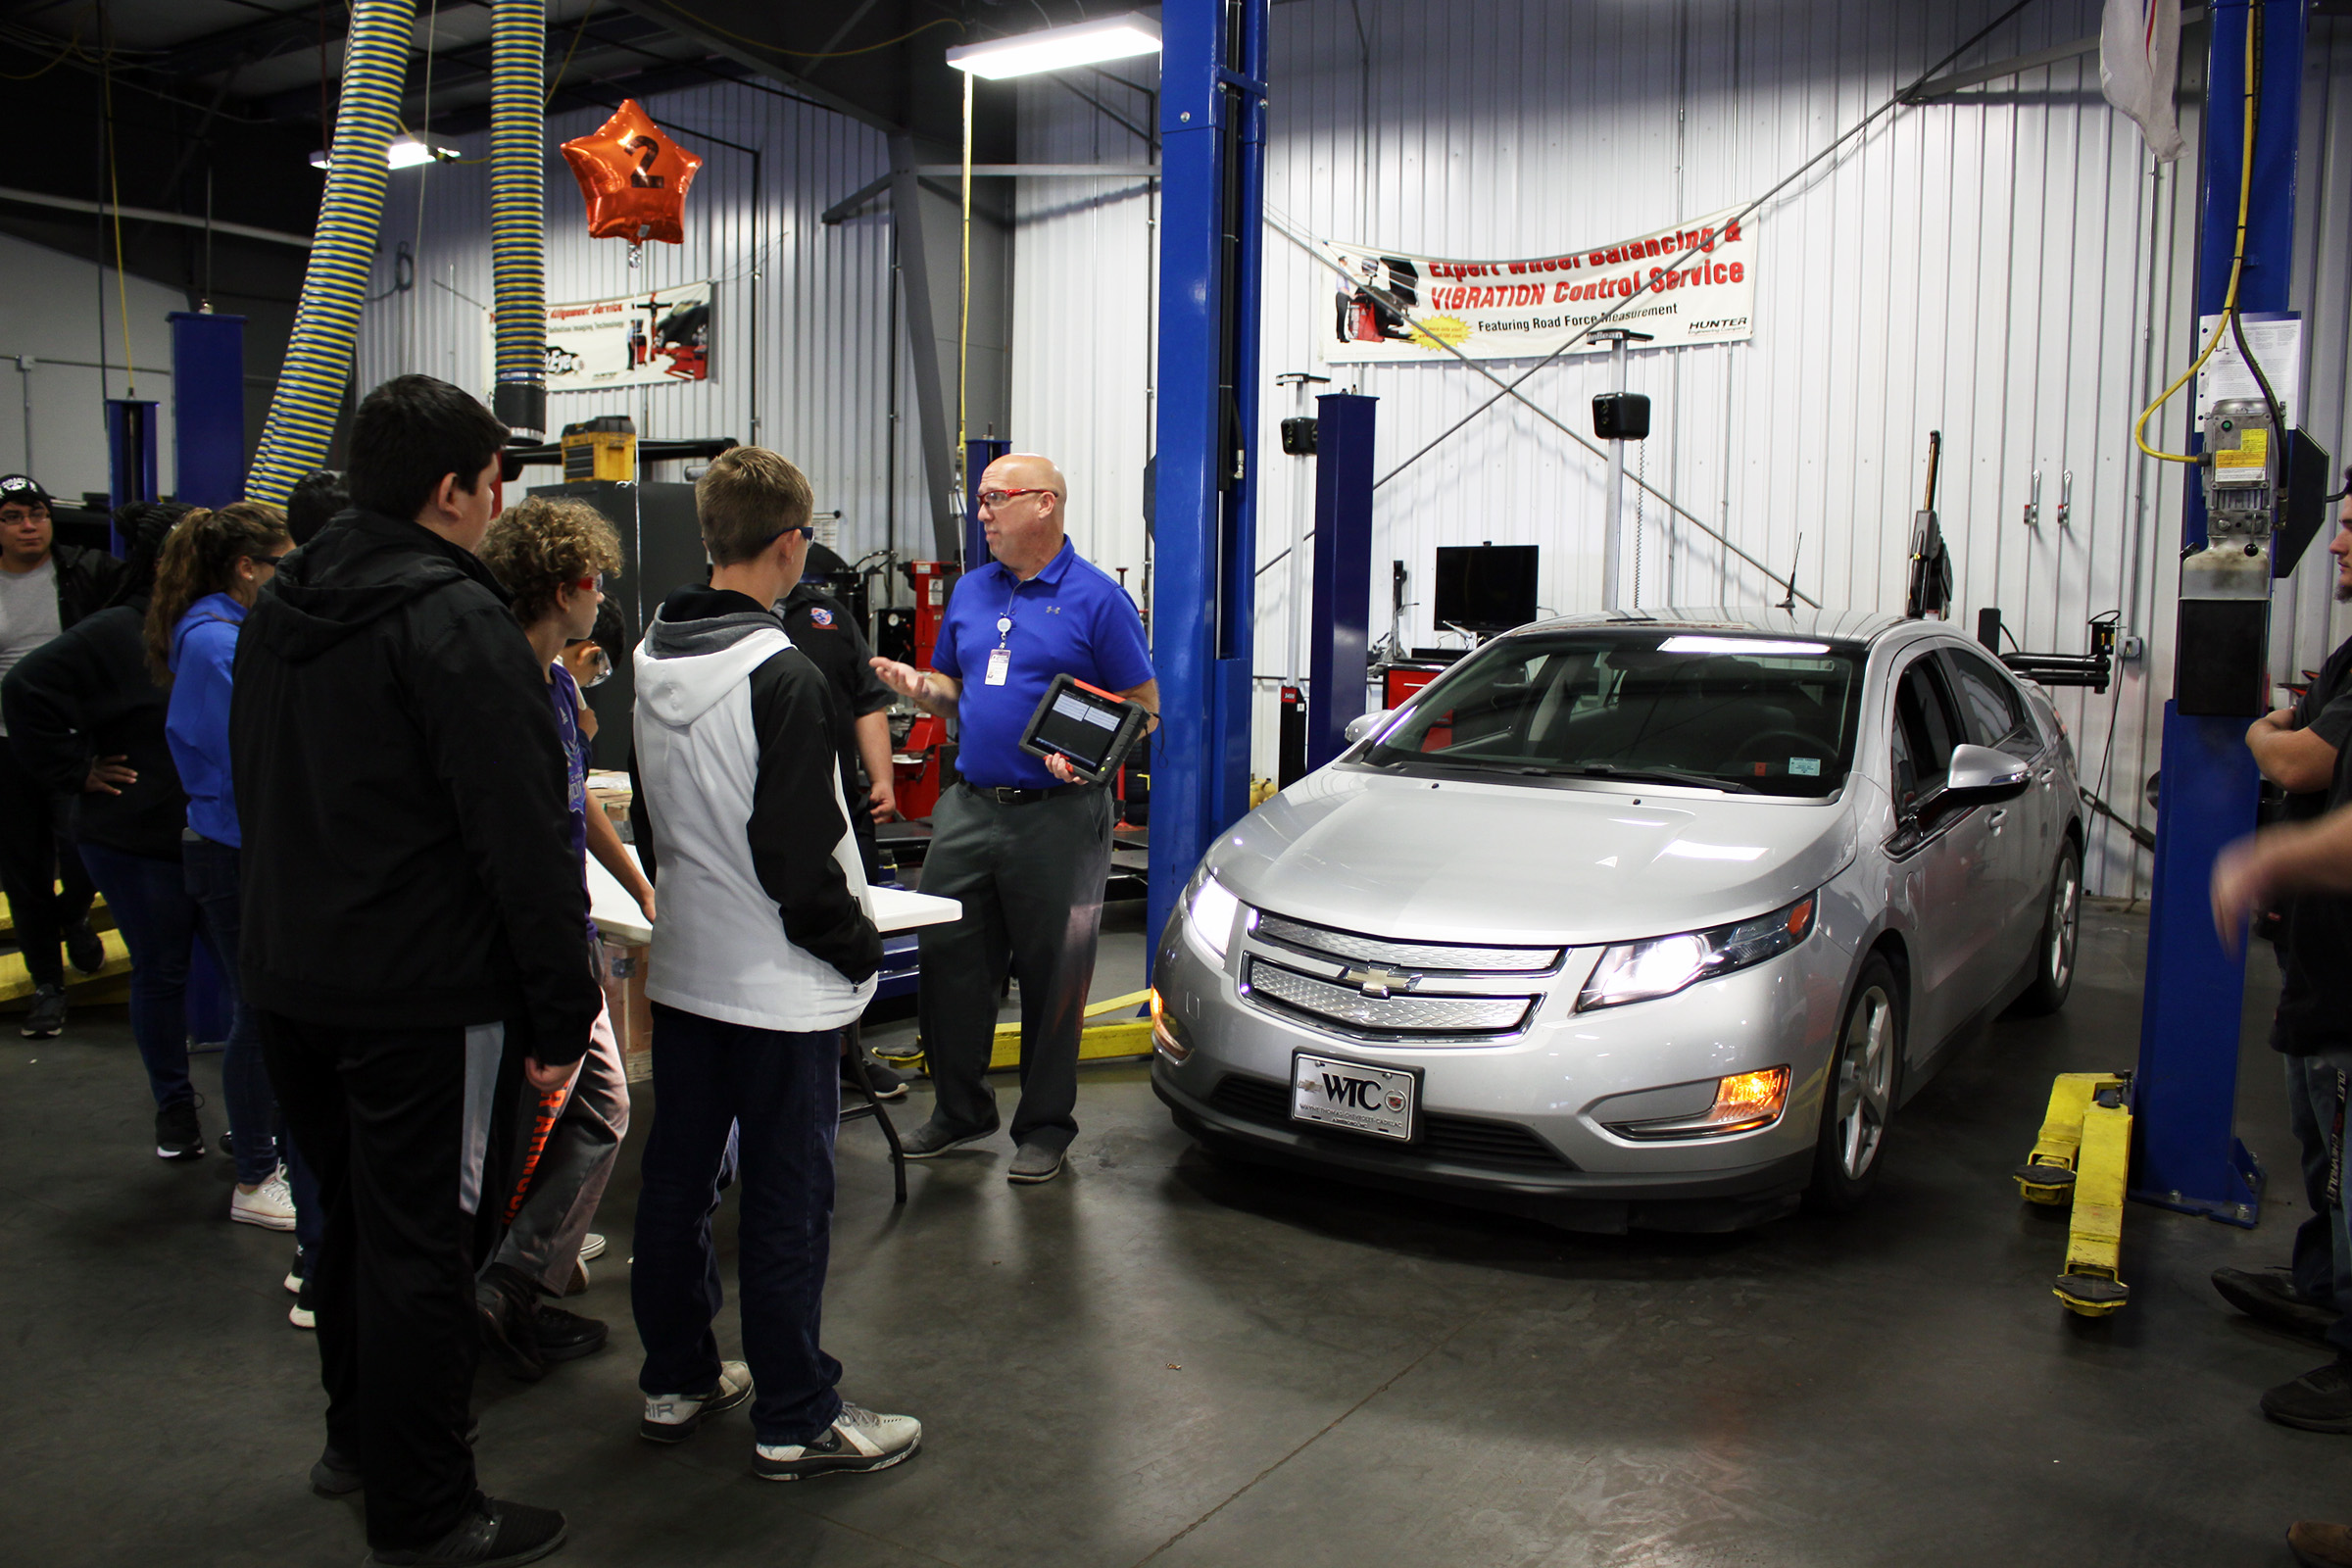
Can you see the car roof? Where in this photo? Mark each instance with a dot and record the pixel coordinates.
(1835, 625)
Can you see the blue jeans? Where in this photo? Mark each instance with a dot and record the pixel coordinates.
(2323, 1258)
(784, 1091)
(216, 880)
(151, 906)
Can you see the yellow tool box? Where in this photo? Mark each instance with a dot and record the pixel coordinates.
(601, 448)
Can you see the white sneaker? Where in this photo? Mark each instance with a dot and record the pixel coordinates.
(857, 1439)
(270, 1206)
(673, 1417)
(592, 1246)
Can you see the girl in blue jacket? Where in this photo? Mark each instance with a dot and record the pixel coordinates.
(213, 568)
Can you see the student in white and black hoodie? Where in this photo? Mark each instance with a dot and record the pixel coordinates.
(763, 953)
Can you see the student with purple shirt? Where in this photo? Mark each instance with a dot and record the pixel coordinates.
(552, 556)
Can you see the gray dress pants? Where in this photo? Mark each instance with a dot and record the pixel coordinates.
(1030, 878)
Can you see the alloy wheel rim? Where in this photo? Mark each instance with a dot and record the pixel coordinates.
(2066, 913)
(1865, 1082)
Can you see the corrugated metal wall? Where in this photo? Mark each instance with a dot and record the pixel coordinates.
(2008, 267)
(822, 294)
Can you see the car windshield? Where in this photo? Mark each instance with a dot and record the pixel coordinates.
(1717, 709)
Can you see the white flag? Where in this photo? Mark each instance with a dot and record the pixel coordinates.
(2139, 59)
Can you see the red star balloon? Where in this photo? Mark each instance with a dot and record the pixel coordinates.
(634, 176)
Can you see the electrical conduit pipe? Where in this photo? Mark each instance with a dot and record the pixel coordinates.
(326, 322)
(518, 210)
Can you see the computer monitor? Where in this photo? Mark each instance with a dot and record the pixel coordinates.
(1485, 588)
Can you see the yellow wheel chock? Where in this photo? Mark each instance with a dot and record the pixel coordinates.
(2084, 1154)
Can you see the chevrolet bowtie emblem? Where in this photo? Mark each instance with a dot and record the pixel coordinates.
(1380, 983)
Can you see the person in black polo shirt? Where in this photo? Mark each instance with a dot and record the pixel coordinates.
(1023, 847)
(828, 634)
(2300, 749)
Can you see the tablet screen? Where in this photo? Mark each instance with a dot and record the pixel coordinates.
(1083, 729)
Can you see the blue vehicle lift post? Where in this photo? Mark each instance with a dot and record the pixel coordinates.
(2185, 1090)
(1205, 560)
(978, 453)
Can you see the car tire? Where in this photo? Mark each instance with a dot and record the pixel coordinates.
(1858, 1100)
(2061, 930)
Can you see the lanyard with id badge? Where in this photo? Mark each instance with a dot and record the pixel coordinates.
(999, 658)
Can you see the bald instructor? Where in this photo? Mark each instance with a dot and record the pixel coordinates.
(1019, 842)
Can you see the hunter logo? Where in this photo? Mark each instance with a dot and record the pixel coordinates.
(1379, 983)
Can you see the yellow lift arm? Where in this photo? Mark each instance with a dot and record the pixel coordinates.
(2084, 1154)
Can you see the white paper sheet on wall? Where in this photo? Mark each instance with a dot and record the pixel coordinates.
(2277, 340)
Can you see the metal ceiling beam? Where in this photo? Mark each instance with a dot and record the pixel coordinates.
(149, 215)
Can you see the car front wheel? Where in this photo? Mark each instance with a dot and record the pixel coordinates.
(1858, 1101)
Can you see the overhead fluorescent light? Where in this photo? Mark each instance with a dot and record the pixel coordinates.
(1757, 646)
(1084, 43)
(405, 152)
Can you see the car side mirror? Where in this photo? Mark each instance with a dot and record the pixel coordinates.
(1979, 773)
(1364, 724)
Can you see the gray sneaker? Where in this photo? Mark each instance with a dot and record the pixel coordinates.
(857, 1439)
(931, 1140)
(675, 1417)
(1035, 1163)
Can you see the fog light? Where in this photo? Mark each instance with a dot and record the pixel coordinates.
(1167, 1033)
(1749, 1098)
(1745, 1103)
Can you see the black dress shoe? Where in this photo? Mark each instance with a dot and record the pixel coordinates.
(506, 1318)
(560, 1335)
(2269, 1295)
(2319, 1400)
(493, 1533)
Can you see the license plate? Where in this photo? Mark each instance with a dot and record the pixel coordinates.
(1334, 1093)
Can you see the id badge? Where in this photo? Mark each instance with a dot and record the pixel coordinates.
(999, 664)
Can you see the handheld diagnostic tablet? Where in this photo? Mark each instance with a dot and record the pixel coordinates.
(1090, 728)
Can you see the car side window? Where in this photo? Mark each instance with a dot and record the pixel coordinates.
(1925, 733)
(1996, 713)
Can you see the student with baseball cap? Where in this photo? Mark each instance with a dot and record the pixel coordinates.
(44, 588)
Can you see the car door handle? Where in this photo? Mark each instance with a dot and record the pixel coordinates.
(1997, 820)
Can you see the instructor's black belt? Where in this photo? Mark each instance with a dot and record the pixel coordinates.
(1010, 797)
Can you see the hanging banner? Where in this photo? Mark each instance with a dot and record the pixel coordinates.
(638, 340)
(1395, 309)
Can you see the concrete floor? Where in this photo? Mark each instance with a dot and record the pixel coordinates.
(1163, 1359)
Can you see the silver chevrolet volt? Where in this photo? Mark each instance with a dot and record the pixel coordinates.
(1648, 920)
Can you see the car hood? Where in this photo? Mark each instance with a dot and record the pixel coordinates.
(1517, 863)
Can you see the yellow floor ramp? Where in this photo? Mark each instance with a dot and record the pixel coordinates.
(1108, 1037)
(2085, 1156)
(110, 984)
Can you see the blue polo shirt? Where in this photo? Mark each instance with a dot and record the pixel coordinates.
(1069, 619)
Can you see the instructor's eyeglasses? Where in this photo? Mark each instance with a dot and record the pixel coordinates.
(992, 499)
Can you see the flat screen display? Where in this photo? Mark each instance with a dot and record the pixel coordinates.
(1485, 588)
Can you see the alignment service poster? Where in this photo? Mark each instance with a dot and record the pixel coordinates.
(639, 340)
(1692, 283)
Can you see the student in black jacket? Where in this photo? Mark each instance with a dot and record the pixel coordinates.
(86, 723)
(412, 912)
(45, 587)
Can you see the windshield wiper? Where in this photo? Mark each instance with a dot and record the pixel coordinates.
(1643, 775)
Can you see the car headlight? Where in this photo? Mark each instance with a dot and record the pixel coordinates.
(1639, 971)
(1210, 912)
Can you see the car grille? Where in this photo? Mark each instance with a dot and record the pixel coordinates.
(1406, 1013)
(1464, 1139)
(1347, 946)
